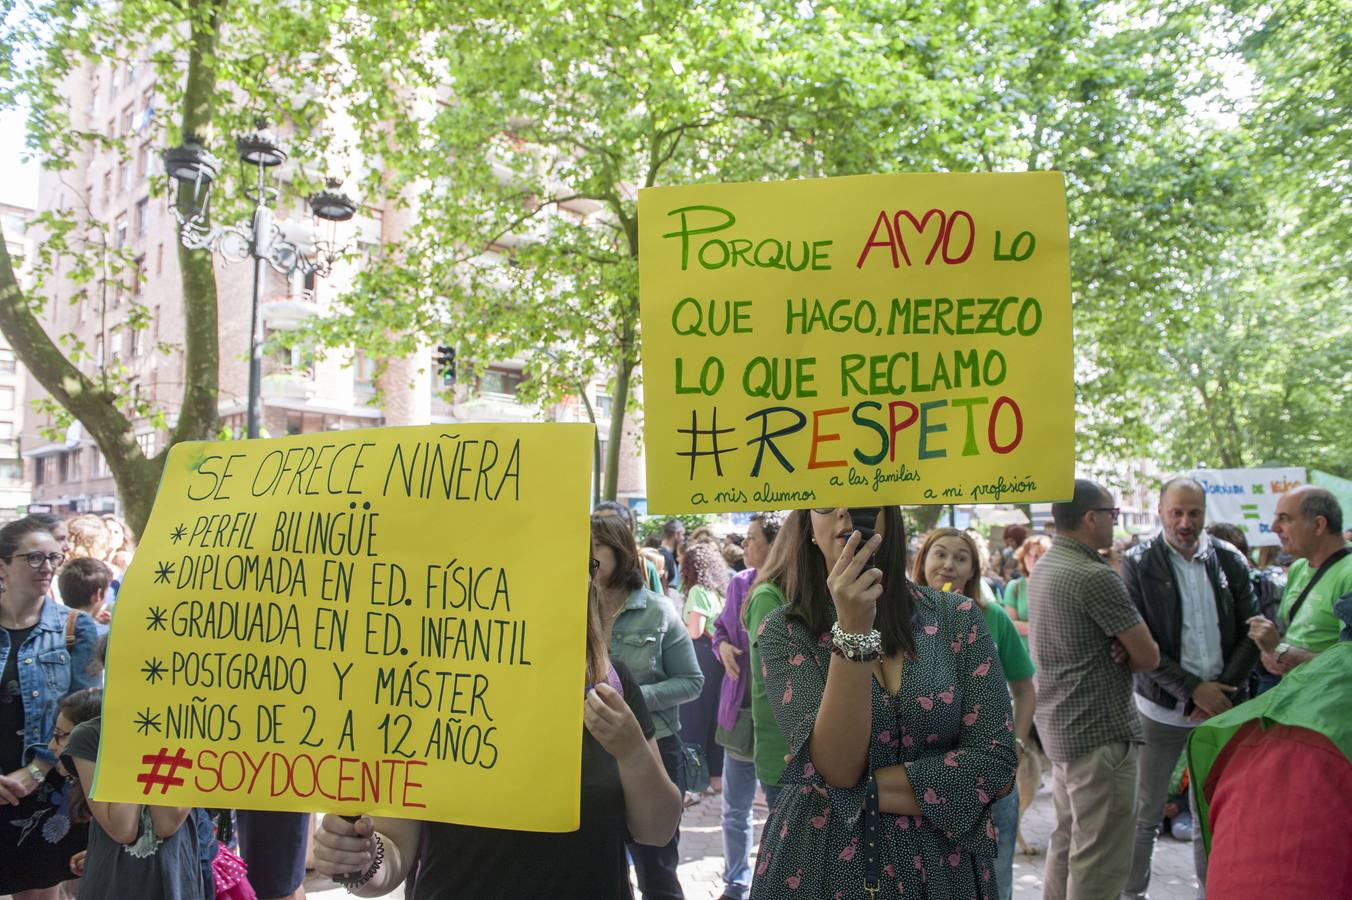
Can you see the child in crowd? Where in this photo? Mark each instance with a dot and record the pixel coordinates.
(84, 587)
(73, 709)
(146, 852)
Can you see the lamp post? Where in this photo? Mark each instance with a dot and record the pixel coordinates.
(259, 238)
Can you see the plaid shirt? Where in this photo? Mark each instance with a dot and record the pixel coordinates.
(1076, 605)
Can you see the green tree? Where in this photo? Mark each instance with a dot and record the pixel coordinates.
(554, 118)
(218, 65)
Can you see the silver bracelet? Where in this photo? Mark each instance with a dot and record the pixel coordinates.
(856, 647)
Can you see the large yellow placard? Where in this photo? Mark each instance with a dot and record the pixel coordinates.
(387, 621)
(863, 340)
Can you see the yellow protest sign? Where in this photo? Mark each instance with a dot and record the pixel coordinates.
(387, 621)
(862, 340)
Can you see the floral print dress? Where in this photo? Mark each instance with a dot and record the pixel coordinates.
(950, 724)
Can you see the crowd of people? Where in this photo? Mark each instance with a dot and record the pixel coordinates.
(894, 700)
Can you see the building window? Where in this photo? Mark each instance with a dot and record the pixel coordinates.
(73, 468)
(123, 176)
(142, 217)
(363, 372)
(602, 405)
(502, 382)
(139, 275)
(235, 424)
(108, 187)
(134, 347)
(6, 397)
(8, 366)
(11, 469)
(147, 110)
(100, 465)
(146, 441)
(120, 232)
(159, 260)
(126, 121)
(98, 351)
(115, 346)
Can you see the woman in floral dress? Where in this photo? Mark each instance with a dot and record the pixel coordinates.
(926, 713)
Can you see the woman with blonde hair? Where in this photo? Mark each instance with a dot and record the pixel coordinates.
(950, 560)
(1016, 592)
(121, 543)
(88, 536)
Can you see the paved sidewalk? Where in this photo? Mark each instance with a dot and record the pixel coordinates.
(702, 856)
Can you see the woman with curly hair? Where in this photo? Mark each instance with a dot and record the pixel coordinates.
(704, 575)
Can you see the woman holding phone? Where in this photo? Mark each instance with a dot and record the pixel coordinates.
(896, 716)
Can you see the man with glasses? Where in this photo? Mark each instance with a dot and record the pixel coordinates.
(1087, 638)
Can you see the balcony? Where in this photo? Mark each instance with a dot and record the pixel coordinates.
(289, 385)
(285, 312)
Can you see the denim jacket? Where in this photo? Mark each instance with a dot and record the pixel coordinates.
(650, 640)
(48, 672)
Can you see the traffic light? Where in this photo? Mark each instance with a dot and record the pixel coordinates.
(445, 360)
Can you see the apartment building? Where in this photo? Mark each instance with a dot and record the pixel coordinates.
(301, 392)
(15, 490)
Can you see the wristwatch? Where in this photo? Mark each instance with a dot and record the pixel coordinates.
(38, 775)
(1281, 649)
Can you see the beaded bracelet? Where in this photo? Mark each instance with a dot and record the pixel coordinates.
(865, 647)
(352, 882)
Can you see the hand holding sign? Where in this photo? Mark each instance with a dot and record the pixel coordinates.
(344, 845)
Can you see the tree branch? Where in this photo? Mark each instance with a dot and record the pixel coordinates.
(199, 412)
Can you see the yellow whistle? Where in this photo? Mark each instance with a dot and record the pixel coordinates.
(948, 586)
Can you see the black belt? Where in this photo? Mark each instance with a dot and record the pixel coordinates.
(872, 817)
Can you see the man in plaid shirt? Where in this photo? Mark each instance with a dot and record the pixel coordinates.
(1087, 638)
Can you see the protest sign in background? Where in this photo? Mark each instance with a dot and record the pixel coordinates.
(862, 340)
(1248, 498)
(386, 621)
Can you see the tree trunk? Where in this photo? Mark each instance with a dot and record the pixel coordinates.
(619, 398)
(137, 477)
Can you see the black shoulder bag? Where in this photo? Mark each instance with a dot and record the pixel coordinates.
(1309, 586)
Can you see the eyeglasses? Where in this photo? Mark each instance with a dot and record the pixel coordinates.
(60, 736)
(1113, 511)
(593, 565)
(36, 559)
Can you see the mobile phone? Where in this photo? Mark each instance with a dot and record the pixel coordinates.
(864, 519)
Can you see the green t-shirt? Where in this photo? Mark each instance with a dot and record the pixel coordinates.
(654, 579)
(1014, 658)
(1016, 595)
(700, 599)
(1316, 628)
(771, 748)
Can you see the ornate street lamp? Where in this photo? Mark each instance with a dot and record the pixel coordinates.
(195, 169)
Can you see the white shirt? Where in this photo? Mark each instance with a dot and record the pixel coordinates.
(1200, 643)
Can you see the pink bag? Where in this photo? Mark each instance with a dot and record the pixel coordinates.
(231, 875)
